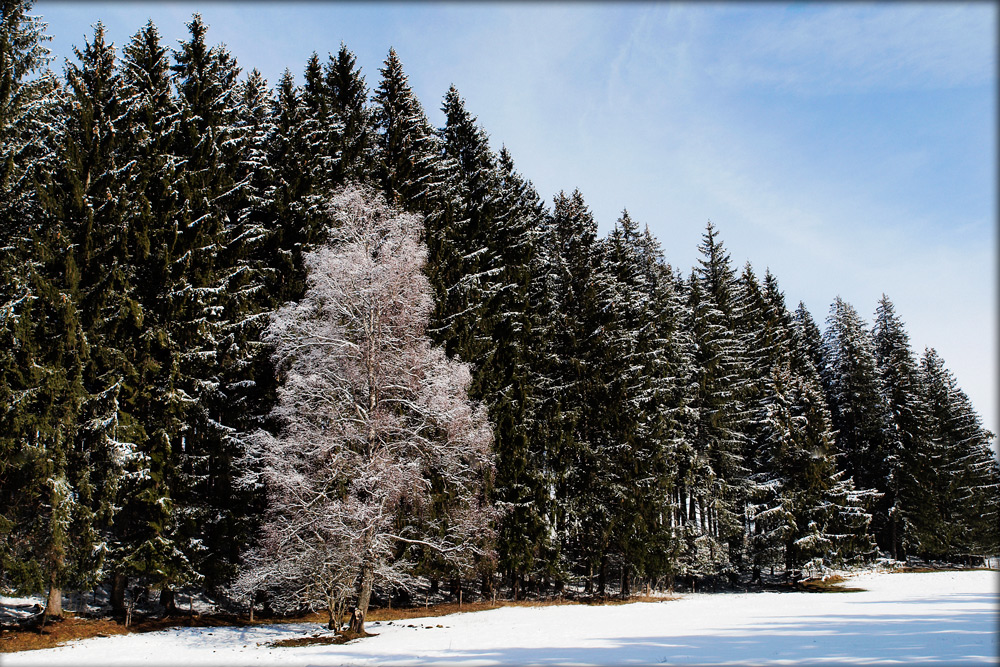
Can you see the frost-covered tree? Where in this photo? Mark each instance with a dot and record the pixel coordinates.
(29, 130)
(379, 456)
(407, 164)
(964, 487)
(910, 460)
(525, 541)
(348, 94)
(859, 411)
(715, 478)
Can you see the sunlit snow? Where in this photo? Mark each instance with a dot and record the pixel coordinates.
(941, 617)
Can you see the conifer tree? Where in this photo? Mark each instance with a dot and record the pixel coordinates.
(407, 167)
(909, 458)
(465, 269)
(210, 142)
(716, 478)
(48, 518)
(142, 546)
(965, 487)
(857, 406)
(348, 95)
(643, 368)
(578, 345)
(28, 133)
(810, 340)
(801, 510)
(526, 544)
(89, 194)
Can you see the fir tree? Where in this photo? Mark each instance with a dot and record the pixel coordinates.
(407, 148)
(715, 480)
(143, 544)
(89, 194)
(348, 95)
(965, 487)
(857, 406)
(28, 134)
(908, 457)
(526, 544)
(210, 142)
(801, 510)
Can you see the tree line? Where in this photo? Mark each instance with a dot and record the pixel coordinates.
(166, 224)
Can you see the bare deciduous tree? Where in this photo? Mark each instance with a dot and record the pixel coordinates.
(380, 451)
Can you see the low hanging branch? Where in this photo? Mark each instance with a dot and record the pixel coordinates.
(374, 422)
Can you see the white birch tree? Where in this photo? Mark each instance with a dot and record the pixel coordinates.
(380, 455)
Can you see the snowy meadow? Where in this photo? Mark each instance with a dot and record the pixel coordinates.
(943, 618)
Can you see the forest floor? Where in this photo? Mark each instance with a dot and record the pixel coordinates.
(266, 635)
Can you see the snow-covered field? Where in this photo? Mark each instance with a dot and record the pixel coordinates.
(943, 617)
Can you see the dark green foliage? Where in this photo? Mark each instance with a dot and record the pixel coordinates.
(800, 508)
(716, 479)
(860, 414)
(155, 207)
(910, 461)
(407, 163)
(961, 511)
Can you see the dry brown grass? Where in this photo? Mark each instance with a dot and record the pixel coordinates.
(69, 628)
(318, 640)
(832, 584)
(57, 633)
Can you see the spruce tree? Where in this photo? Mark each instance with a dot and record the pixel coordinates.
(965, 487)
(860, 414)
(578, 343)
(526, 544)
(909, 459)
(801, 510)
(348, 96)
(407, 166)
(716, 479)
(644, 369)
(142, 547)
(211, 144)
(89, 194)
(28, 133)
(49, 522)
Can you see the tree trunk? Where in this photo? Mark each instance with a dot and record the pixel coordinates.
(336, 613)
(168, 600)
(119, 582)
(53, 607)
(364, 594)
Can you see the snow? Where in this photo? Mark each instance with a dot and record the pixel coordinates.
(940, 617)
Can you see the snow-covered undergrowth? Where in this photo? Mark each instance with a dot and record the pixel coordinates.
(941, 617)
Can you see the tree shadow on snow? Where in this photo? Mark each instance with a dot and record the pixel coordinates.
(968, 637)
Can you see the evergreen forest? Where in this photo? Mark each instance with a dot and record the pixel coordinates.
(181, 330)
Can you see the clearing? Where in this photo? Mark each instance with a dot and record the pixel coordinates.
(935, 617)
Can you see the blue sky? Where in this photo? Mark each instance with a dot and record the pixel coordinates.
(850, 147)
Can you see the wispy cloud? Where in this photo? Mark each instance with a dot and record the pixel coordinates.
(829, 49)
